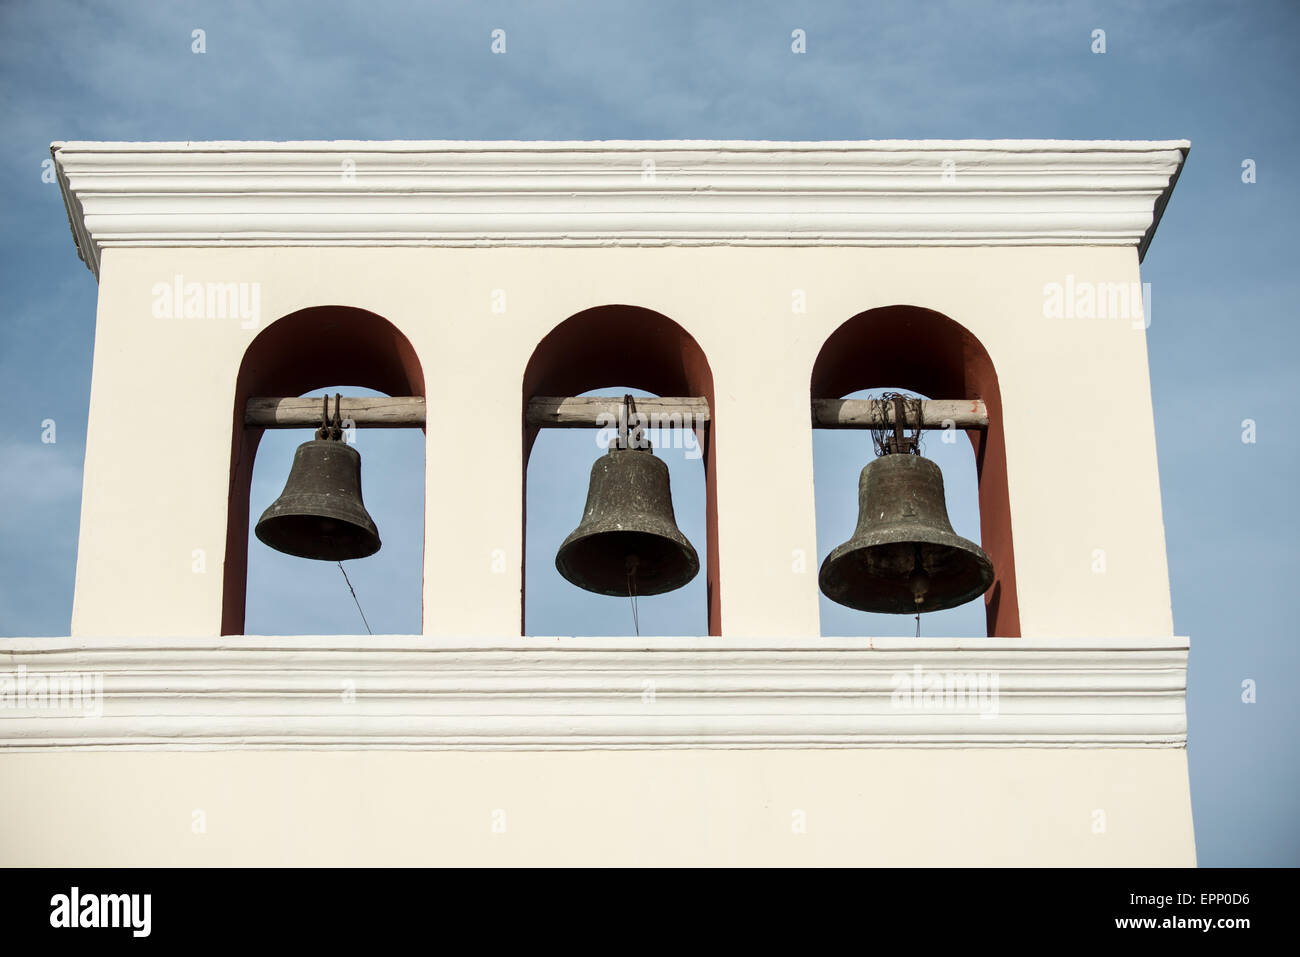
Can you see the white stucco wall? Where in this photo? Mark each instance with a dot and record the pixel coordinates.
(1077, 411)
(860, 808)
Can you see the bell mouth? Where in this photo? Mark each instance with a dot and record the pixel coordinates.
(599, 562)
(876, 573)
(318, 537)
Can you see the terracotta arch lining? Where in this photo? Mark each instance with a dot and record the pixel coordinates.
(305, 350)
(623, 345)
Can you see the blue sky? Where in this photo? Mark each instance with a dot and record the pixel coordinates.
(1223, 338)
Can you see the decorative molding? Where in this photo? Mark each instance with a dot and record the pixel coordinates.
(616, 193)
(592, 693)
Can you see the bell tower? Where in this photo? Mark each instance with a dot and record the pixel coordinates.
(751, 288)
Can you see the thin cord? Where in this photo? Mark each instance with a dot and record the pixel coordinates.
(631, 593)
(354, 597)
(918, 624)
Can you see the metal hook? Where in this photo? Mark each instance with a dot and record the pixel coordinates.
(635, 433)
(331, 429)
(324, 431)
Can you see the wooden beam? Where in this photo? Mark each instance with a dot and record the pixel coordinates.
(371, 412)
(596, 411)
(865, 413)
(590, 412)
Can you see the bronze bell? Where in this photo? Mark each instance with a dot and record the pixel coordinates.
(628, 542)
(320, 513)
(904, 557)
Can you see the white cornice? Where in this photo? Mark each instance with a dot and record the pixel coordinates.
(593, 693)
(870, 193)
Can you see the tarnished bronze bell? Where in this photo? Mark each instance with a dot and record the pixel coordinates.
(904, 556)
(628, 541)
(320, 513)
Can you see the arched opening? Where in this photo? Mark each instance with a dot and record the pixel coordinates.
(608, 350)
(929, 354)
(300, 353)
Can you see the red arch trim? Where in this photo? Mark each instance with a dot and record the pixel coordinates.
(305, 350)
(622, 345)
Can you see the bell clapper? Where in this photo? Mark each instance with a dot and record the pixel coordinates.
(919, 582)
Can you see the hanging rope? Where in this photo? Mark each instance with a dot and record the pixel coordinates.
(632, 563)
(354, 598)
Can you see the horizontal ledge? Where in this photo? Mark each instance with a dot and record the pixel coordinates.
(891, 193)
(328, 147)
(590, 693)
(870, 413)
(585, 239)
(12, 649)
(561, 741)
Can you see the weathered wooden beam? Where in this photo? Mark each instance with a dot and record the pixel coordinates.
(589, 412)
(865, 413)
(371, 412)
(593, 411)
